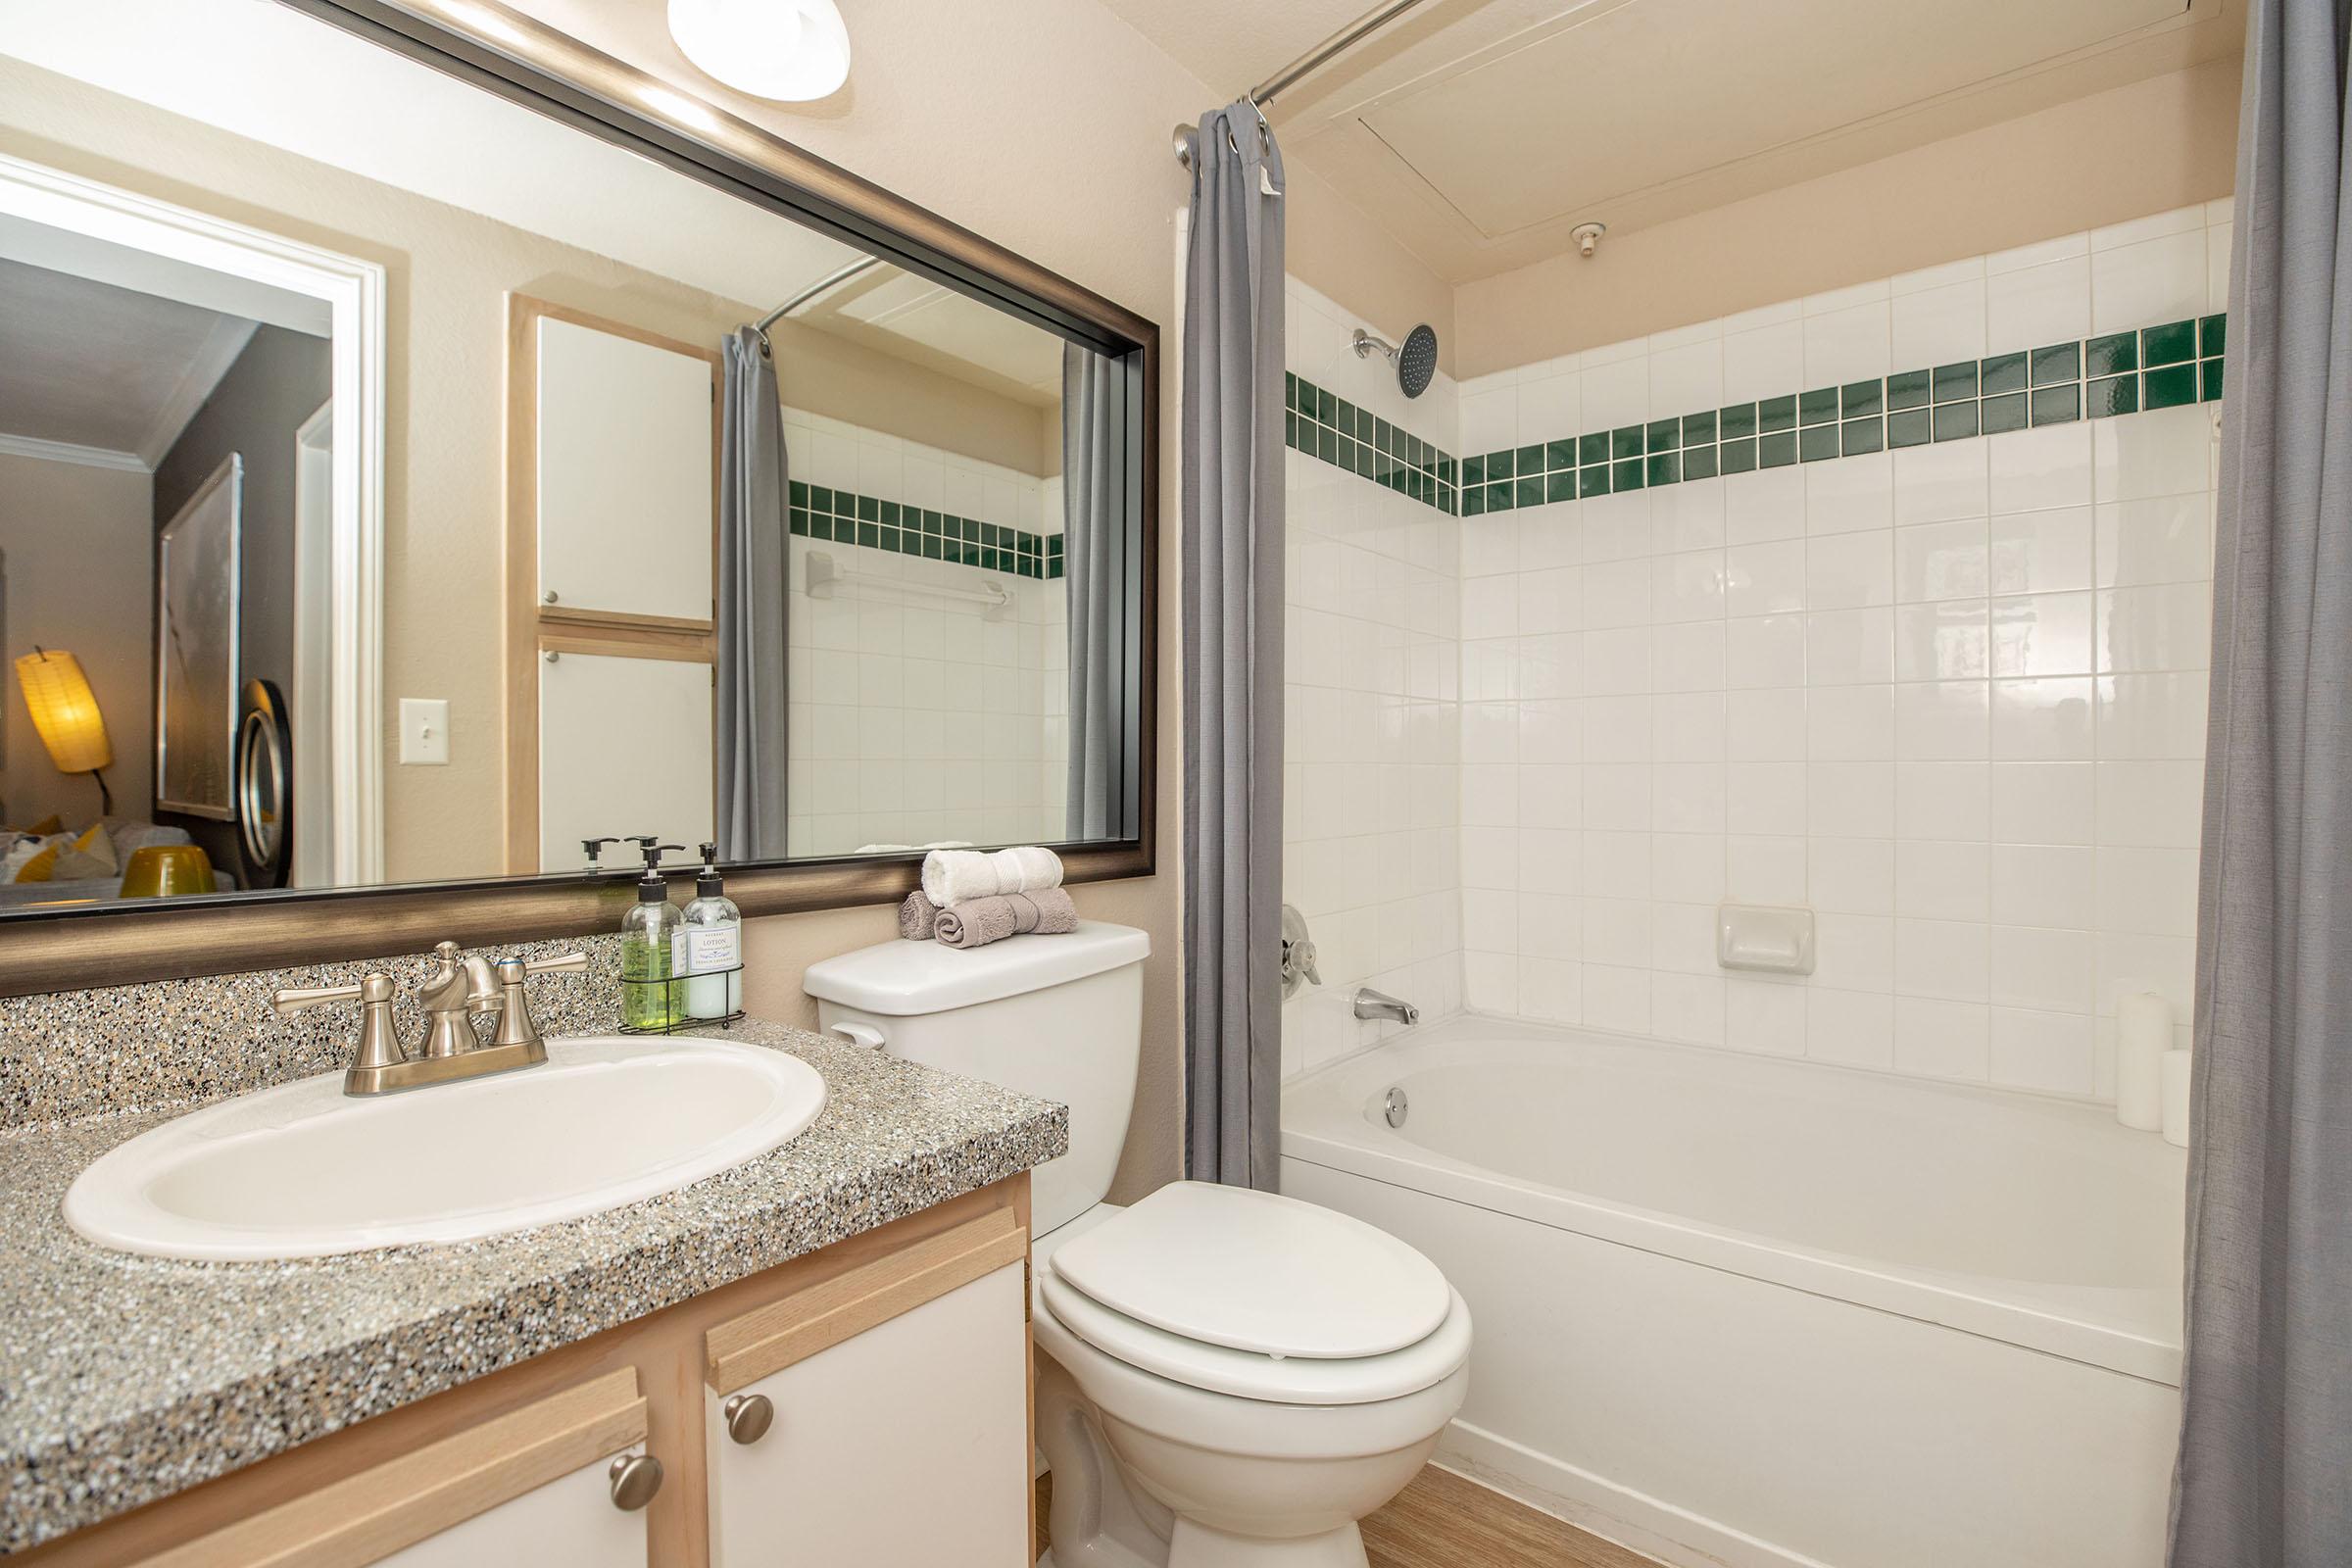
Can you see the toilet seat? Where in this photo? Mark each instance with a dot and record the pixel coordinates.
(1255, 1296)
(1258, 1271)
(1250, 1375)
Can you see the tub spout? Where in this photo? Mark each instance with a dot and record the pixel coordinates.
(1371, 1004)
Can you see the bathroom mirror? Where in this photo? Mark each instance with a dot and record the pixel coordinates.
(597, 465)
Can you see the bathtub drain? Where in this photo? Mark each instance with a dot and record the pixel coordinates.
(1395, 1107)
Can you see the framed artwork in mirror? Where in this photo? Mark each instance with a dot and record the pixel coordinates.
(196, 572)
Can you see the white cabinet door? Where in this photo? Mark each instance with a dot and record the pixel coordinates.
(570, 1520)
(906, 1446)
(623, 473)
(624, 746)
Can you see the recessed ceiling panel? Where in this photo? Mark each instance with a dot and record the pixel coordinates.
(1648, 92)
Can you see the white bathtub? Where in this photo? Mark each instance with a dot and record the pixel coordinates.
(1739, 1310)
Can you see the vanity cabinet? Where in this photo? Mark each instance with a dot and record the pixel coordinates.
(894, 1369)
(537, 1483)
(881, 1419)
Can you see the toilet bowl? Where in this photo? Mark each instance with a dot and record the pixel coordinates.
(1226, 1378)
(1171, 1451)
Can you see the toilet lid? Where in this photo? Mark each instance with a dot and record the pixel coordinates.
(1245, 1374)
(1259, 1272)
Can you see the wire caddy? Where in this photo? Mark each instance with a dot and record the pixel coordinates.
(670, 1006)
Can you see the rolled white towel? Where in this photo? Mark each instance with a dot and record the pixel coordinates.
(955, 876)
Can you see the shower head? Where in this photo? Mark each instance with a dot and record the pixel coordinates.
(1417, 362)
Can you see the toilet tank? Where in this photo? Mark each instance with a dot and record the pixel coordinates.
(1059, 1017)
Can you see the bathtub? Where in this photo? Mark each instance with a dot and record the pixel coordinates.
(1739, 1310)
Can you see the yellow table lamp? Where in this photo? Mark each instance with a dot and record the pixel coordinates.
(65, 710)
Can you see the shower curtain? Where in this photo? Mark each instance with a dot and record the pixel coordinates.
(1094, 574)
(1233, 568)
(753, 567)
(2265, 1471)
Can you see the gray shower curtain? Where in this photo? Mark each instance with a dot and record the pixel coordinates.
(752, 567)
(2265, 1471)
(1231, 478)
(1094, 574)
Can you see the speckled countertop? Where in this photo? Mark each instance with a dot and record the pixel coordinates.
(125, 1379)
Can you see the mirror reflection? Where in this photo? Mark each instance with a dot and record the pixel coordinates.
(397, 486)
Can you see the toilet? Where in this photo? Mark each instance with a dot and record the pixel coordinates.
(1229, 1377)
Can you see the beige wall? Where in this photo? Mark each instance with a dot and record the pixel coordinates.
(77, 547)
(2149, 147)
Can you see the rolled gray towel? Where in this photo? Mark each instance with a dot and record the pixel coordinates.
(918, 915)
(976, 923)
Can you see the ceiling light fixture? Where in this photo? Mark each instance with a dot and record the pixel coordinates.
(788, 50)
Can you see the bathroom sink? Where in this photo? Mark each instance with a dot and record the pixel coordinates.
(303, 1170)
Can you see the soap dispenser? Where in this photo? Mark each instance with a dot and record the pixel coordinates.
(714, 946)
(648, 949)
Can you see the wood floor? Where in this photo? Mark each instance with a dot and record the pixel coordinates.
(1443, 1521)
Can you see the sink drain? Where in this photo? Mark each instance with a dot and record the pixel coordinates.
(1395, 1107)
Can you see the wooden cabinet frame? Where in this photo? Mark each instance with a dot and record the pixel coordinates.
(646, 1379)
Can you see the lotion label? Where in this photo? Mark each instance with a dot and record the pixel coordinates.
(703, 949)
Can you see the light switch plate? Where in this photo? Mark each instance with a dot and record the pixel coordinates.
(423, 730)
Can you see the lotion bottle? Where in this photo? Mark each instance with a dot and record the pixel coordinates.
(712, 946)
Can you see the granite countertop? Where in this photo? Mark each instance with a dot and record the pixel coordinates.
(127, 1379)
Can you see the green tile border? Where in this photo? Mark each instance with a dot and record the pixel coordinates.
(847, 518)
(2162, 367)
(1326, 427)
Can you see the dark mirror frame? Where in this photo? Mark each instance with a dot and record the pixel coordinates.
(527, 63)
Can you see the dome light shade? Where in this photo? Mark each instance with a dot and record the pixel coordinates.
(65, 710)
(788, 50)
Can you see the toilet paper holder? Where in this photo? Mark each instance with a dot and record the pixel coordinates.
(1764, 937)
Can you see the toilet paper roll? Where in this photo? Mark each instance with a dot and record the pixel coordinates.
(2143, 1033)
(2176, 1099)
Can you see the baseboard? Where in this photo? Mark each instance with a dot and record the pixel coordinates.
(1632, 1519)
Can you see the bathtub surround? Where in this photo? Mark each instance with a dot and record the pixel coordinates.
(1232, 650)
(1371, 831)
(2267, 1435)
(751, 709)
(1947, 692)
(887, 684)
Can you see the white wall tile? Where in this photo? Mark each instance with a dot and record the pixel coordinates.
(1950, 697)
(2038, 304)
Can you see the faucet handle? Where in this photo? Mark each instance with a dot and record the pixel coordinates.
(379, 1046)
(515, 1026)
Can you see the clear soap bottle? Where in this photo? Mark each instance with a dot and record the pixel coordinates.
(712, 945)
(650, 941)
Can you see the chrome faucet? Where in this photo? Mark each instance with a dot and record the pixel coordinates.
(1371, 1004)
(459, 989)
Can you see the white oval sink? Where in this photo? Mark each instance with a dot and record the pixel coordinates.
(303, 1170)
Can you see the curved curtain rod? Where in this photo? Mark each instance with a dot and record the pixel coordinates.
(863, 265)
(1329, 49)
(1315, 59)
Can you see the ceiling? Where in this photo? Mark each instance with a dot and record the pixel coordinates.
(113, 371)
(1479, 133)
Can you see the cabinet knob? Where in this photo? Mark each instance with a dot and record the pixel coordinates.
(636, 1477)
(749, 1416)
